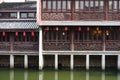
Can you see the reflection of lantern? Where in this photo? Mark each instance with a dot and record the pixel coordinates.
(57, 28)
(24, 34)
(66, 28)
(97, 28)
(107, 32)
(88, 29)
(99, 32)
(79, 28)
(32, 33)
(16, 33)
(3, 33)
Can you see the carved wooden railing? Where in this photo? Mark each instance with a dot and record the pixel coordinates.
(113, 45)
(88, 45)
(26, 46)
(56, 16)
(57, 46)
(89, 16)
(4, 46)
(114, 16)
(67, 16)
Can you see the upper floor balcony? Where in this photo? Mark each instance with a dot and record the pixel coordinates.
(78, 10)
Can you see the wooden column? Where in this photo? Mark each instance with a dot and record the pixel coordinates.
(25, 61)
(40, 49)
(72, 9)
(18, 15)
(87, 62)
(118, 62)
(71, 61)
(11, 61)
(39, 12)
(11, 42)
(103, 44)
(103, 62)
(72, 40)
(56, 61)
(106, 5)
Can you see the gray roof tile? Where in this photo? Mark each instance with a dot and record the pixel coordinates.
(18, 25)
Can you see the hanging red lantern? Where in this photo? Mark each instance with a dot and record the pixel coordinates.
(57, 28)
(88, 29)
(16, 33)
(66, 28)
(79, 28)
(97, 28)
(47, 28)
(24, 33)
(32, 33)
(3, 33)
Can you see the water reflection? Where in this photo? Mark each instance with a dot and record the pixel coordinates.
(103, 75)
(87, 75)
(57, 75)
(25, 75)
(11, 74)
(40, 75)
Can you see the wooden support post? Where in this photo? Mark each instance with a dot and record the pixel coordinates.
(40, 49)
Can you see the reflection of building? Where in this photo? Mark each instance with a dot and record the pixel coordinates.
(66, 34)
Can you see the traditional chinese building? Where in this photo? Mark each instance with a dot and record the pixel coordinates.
(79, 33)
(69, 34)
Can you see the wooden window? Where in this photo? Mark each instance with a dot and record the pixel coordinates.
(113, 5)
(31, 15)
(28, 15)
(56, 5)
(13, 15)
(23, 15)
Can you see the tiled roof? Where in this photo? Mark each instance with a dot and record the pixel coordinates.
(18, 6)
(18, 25)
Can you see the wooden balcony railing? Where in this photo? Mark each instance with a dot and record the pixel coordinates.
(110, 45)
(26, 46)
(77, 16)
(57, 46)
(4, 46)
(88, 45)
(113, 45)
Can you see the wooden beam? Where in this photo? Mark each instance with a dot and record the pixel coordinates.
(106, 9)
(72, 9)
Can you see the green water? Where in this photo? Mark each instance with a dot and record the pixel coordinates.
(57, 75)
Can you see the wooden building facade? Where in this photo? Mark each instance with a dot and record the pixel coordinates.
(60, 34)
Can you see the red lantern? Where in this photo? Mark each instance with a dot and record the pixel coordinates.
(57, 28)
(47, 28)
(3, 33)
(97, 28)
(88, 29)
(16, 33)
(79, 28)
(32, 33)
(66, 28)
(24, 34)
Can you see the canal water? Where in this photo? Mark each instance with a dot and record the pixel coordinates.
(6, 74)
